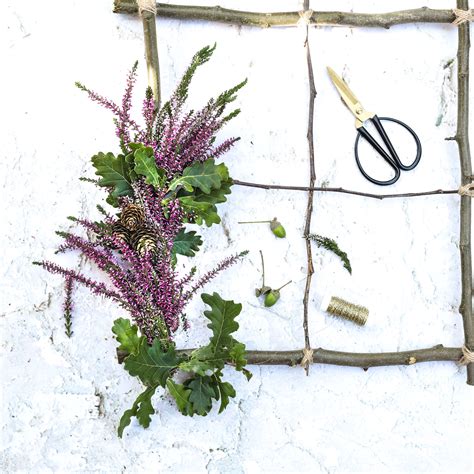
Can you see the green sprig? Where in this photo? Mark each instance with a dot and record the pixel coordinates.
(332, 246)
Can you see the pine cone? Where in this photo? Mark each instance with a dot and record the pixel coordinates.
(121, 232)
(133, 217)
(144, 240)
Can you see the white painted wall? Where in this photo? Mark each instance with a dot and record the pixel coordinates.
(63, 397)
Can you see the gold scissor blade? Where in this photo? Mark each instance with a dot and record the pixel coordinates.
(349, 99)
(347, 95)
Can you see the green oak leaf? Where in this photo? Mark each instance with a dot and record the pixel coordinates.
(152, 365)
(115, 173)
(145, 166)
(203, 390)
(186, 243)
(202, 211)
(197, 366)
(216, 196)
(127, 335)
(205, 359)
(181, 395)
(204, 176)
(142, 409)
(222, 316)
(237, 355)
(202, 205)
(226, 391)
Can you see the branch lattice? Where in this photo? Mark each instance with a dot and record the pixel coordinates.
(381, 20)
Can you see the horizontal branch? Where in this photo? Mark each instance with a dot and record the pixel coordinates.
(351, 359)
(343, 191)
(267, 20)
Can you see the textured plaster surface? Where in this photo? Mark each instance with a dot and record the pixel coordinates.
(63, 398)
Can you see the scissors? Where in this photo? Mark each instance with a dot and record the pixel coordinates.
(362, 115)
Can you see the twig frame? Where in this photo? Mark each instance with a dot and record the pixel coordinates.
(384, 20)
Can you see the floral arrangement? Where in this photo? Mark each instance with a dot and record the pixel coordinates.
(164, 177)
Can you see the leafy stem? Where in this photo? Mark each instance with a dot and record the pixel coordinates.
(332, 246)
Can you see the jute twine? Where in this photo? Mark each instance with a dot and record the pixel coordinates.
(146, 6)
(462, 16)
(467, 356)
(467, 190)
(305, 17)
(307, 357)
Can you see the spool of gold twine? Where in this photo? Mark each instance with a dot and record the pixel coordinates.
(350, 311)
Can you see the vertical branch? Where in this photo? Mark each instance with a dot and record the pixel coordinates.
(312, 178)
(151, 51)
(462, 139)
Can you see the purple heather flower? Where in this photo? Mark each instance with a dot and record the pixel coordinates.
(67, 306)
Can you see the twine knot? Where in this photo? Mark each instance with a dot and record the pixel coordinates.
(467, 356)
(307, 357)
(467, 190)
(146, 6)
(462, 16)
(305, 17)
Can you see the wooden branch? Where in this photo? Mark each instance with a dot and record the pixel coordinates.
(462, 139)
(342, 190)
(151, 54)
(267, 20)
(309, 206)
(351, 359)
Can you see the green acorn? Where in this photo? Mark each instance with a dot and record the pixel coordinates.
(273, 296)
(275, 226)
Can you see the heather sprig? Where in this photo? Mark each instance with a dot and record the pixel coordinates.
(123, 122)
(67, 307)
(332, 246)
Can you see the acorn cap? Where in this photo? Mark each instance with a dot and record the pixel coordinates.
(262, 291)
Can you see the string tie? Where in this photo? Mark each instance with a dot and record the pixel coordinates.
(467, 356)
(467, 190)
(146, 6)
(305, 17)
(462, 16)
(307, 357)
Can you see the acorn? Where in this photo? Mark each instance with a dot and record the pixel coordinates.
(275, 226)
(132, 217)
(273, 296)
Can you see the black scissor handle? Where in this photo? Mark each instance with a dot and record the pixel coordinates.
(392, 157)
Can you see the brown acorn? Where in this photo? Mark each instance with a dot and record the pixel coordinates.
(133, 217)
(144, 240)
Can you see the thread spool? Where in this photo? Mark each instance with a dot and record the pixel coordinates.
(344, 309)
